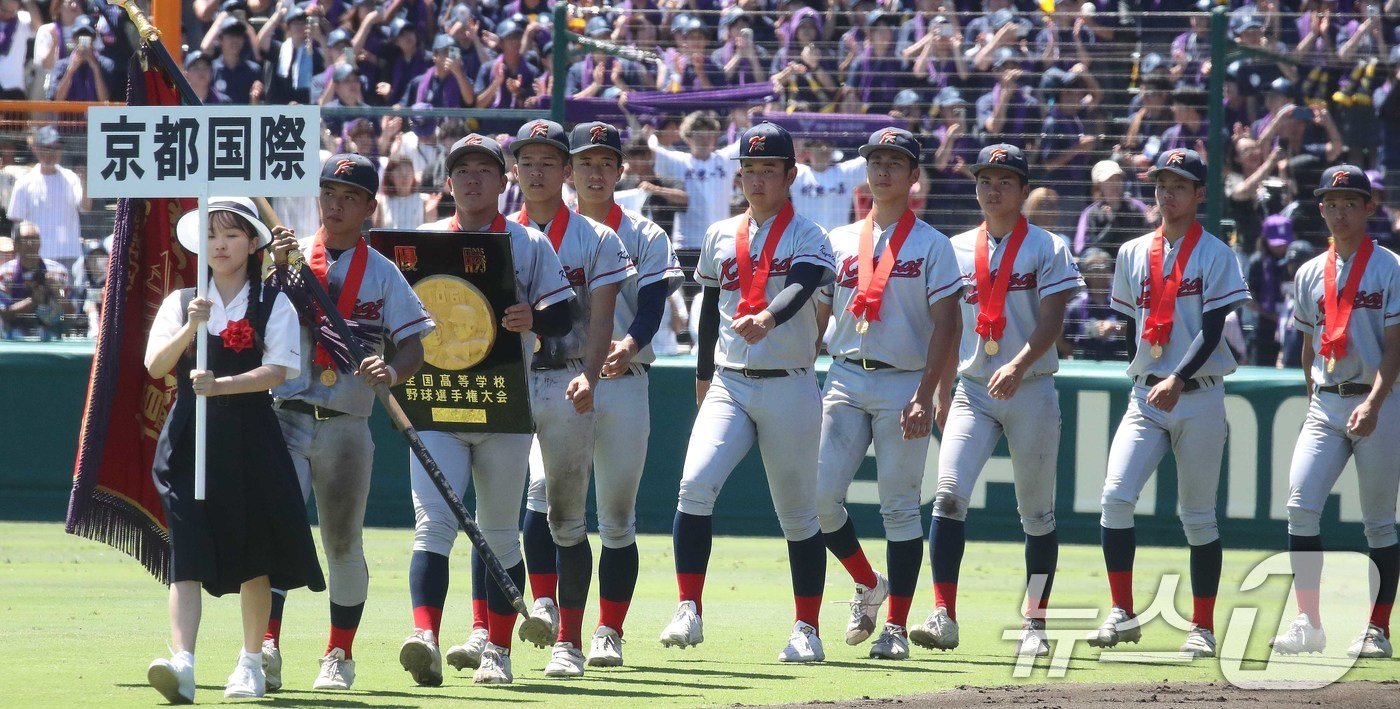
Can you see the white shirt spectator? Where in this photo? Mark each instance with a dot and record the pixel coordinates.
(12, 76)
(826, 197)
(709, 183)
(51, 202)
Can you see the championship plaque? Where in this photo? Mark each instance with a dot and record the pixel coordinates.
(473, 375)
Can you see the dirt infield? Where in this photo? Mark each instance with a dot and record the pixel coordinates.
(1194, 695)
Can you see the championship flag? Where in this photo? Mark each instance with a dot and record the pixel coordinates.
(114, 499)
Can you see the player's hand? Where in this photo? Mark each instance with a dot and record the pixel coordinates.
(374, 370)
(753, 328)
(198, 312)
(940, 411)
(580, 392)
(284, 241)
(204, 383)
(702, 387)
(1166, 393)
(1005, 381)
(1363, 419)
(917, 419)
(619, 356)
(518, 318)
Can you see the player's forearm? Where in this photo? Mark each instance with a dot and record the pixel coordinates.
(823, 317)
(1306, 360)
(1046, 332)
(802, 282)
(651, 305)
(600, 326)
(947, 324)
(1390, 366)
(1205, 342)
(408, 358)
(708, 335)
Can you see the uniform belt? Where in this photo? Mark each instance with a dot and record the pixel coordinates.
(320, 413)
(761, 373)
(632, 370)
(1153, 380)
(868, 365)
(1346, 389)
(552, 367)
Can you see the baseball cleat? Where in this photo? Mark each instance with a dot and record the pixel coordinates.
(1200, 642)
(803, 645)
(1032, 641)
(685, 629)
(421, 657)
(1372, 643)
(607, 648)
(893, 643)
(1119, 628)
(542, 627)
(247, 680)
(865, 607)
(495, 666)
(173, 678)
(565, 661)
(938, 632)
(272, 664)
(1301, 637)
(336, 671)
(468, 654)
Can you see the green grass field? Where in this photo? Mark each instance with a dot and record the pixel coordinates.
(81, 621)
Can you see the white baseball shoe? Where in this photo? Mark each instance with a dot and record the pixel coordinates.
(564, 661)
(1119, 628)
(1033, 641)
(247, 680)
(1200, 642)
(272, 664)
(1302, 637)
(606, 650)
(803, 645)
(422, 658)
(938, 632)
(495, 666)
(865, 607)
(542, 627)
(336, 671)
(893, 643)
(685, 629)
(173, 678)
(1372, 643)
(468, 654)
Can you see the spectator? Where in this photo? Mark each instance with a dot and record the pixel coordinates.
(1382, 225)
(997, 32)
(1265, 276)
(1093, 329)
(51, 196)
(823, 188)
(1191, 49)
(806, 74)
(1249, 29)
(343, 91)
(1244, 186)
(83, 74)
(422, 145)
(1065, 143)
(292, 61)
(599, 70)
(1363, 35)
(1304, 171)
(937, 56)
(508, 80)
(877, 73)
(740, 57)
(955, 207)
(33, 289)
(234, 75)
(1043, 210)
(445, 85)
(928, 15)
(1010, 111)
(666, 197)
(1304, 130)
(1282, 92)
(17, 27)
(401, 205)
(56, 40)
(1065, 39)
(708, 176)
(1298, 253)
(199, 71)
(89, 282)
(232, 19)
(1151, 116)
(1386, 99)
(1112, 218)
(1189, 131)
(405, 59)
(688, 66)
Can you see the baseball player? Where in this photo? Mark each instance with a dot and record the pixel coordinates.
(495, 463)
(1349, 315)
(324, 415)
(622, 414)
(1177, 285)
(759, 271)
(563, 378)
(895, 325)
(1018, 280)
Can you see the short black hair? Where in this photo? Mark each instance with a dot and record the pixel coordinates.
(1190, 97)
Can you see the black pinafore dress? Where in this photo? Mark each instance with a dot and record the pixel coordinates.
(252, 521)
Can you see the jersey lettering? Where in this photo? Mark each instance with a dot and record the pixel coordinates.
(729, 271)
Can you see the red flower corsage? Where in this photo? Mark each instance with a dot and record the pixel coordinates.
(238, 335)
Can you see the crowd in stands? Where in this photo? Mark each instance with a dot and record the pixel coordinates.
(1092, 90)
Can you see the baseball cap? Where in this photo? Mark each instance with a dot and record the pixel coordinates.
(1377, 180)
(508, 28)
(1245, 19)
(296, 13)
(949, 96)
(1153, 62)
(1278, 230)
(1283, 87)
(1004, 156)
(396, 28)
(443, 41)
(1299, 252)
(730, 15)
(187, 229)
(351, 169)
(231, 25)
(339, 36)
(475, 143)
(343, 72)
(46, 136)
(83, 25)
(196, 56)
(876, 17)
(766, 141)
(1105, 170)
(896, 139)
(540, 131)
(1181, 161)
(595, 134)
(597, 25)
(906, 97)
(1344, 178)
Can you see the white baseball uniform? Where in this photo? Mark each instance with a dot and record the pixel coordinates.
(827, 197)
(1195, 429)
(859, 405)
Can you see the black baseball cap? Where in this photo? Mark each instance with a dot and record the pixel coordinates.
(540, 131)
(351, 169)
(1182, 161)
(766, 141)
(475, 143)
(1004, 156)
(595, 134)
(896, 139)
(1344, 178)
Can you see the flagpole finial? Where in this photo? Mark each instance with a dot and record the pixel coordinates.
(144, 27)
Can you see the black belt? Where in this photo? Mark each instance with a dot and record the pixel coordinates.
(628, 372)
(550, 367)
(1346, 389)
(759, 373)
(868, 365)
(317, 412)
(1191, 384)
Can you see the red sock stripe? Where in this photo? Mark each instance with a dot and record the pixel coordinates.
(1120, 586)
(1203, 612)
(859, 568)
(479, 613)
(809, 611)
(571, 626)
(1035, 607)
(544, 585)
(274, 631)
(341, 638)
(612, 614)
(1308, 603)
(500, 627)
(898, 610)
(1380, 616)
(692, 587)
(427, 618)
(945, 595)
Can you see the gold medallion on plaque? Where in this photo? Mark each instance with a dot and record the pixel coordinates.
(466, 324)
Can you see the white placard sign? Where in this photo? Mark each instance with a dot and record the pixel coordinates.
(187, 151)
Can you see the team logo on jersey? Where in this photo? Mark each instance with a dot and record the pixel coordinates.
(757, 144)
(368, 310)
(849, 276)
(888, 137)
(474, 260)
(1341, 179)
(575, 276)
(344, 167)
(1176, 158)
(729, 272)
(539, 130)
(598, 134)
(1018, 281)
(473, 139)
(406, 257)
(998, 155)
(1188, 287)
(1364, 299)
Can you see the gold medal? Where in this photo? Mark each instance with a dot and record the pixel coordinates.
(1331, 365)
(862, 327)
(991, 347)
(1156, 351)
(328, 377)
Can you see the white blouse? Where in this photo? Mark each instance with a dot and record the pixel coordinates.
(281, 340)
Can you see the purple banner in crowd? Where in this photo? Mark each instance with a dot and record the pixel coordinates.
(842, 130)
(644, 104)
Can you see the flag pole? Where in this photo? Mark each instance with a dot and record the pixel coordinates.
(201, 348)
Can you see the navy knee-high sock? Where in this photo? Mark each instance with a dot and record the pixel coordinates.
(345, 620)
(807, 562)
(1042, 556)
(947, 538)
(1206, 561)
(479, 580)
(844, 544)
(692, 537)
(1387, 560)
(1119, 549)
(500, 614)
(1307, 574)
(274, 619)
(575, 575)
(903, 560)
(427, 587)
(617, 580)
(541, 555)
